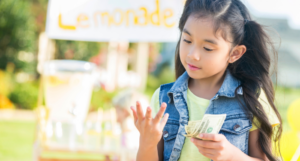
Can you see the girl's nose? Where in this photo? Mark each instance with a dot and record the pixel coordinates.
(194, 54)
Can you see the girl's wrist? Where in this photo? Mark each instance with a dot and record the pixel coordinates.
(146, 153)
(146, 147)
(146, 143)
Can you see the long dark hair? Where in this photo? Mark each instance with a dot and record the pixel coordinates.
(252, 69)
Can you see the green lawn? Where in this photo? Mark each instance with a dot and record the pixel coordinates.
(16, 138)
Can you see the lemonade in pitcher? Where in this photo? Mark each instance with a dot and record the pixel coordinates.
(68, 89)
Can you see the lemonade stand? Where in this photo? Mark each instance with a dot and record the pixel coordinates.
(64, 124)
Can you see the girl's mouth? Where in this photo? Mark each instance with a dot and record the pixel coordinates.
(193, 67)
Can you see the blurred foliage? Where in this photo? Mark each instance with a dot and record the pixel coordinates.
(102, 99)
(167, 75)
(77, 50)
(39, 11)
(24, 95)
(6, 87)
(284, 96)
(21, 22)
(6, 83)
(5, 103)
(293, 115)
(17, 33)
(14, 94)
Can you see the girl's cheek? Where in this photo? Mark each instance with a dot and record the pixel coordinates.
(214, 64)
(183, 53)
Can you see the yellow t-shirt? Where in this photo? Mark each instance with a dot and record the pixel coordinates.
(196, 108)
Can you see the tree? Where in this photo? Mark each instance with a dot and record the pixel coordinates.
(17, 33)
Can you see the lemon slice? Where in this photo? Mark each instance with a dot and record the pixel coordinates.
(55, 81)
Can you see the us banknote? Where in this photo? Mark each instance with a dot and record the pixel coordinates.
(209, 124)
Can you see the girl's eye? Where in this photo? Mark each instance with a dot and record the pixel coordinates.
(207, 49)
(187, 41)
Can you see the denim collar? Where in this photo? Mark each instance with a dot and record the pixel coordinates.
(227, 89)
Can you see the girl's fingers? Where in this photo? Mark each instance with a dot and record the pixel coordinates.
(134, 114)
(160, 113)
(148, 115)
(164, 121)
(206, 143)
(208, 155)
(212, 137)
(139, 110)
(206, 151)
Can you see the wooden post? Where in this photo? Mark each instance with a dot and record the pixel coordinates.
(46, 51)
(141, 63)
(116, 64)
(122, 64)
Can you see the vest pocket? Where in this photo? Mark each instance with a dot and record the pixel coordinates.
(169, 135)
(237, 123)
(171, 129)
(236, 130)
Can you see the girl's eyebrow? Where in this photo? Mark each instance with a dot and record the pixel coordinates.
(186, 31)
(206, 40)
(211, 41)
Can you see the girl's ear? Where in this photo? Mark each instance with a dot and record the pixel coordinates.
(237, 53)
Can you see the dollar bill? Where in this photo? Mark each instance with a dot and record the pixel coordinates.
(190, 128)
(191, 125)
(209, 124)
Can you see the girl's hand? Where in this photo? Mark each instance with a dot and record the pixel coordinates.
(215, 147)
(150, 128)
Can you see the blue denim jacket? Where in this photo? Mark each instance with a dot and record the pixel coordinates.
(235, 128)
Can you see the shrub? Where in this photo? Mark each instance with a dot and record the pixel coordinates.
(24, 95)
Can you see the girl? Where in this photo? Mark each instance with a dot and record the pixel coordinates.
(222, 67)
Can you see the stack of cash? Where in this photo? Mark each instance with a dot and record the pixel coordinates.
(209, 124)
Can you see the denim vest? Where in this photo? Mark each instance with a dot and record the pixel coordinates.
(236, 125)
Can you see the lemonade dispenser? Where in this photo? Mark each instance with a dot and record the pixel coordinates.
(68, 89)
(68, 86)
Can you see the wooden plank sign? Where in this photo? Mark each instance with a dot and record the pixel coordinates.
(114, 20)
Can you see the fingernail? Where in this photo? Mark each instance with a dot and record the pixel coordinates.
(201, 135)
(192, 139)
(148, 109)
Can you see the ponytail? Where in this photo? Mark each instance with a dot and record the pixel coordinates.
(253, 72)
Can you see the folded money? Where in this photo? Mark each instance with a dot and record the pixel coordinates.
(209, 124)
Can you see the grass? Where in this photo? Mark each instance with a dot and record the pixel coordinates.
(16, 138)
(16, 143)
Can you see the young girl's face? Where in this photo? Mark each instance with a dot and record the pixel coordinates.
(203, 53)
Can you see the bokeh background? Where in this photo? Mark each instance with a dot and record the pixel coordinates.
(22, 26)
